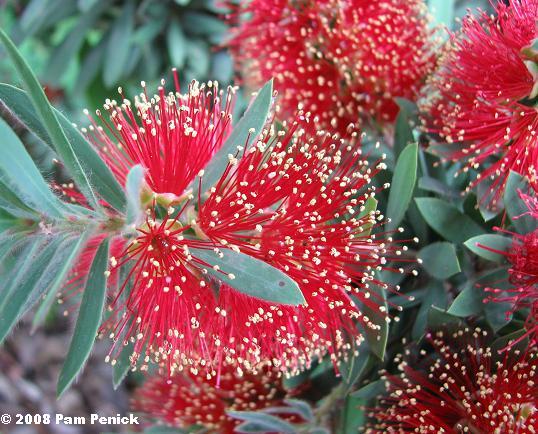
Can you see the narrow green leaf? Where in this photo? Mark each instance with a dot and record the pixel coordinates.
(34, 275)
(66, 52)
(46, 114)
(353, 368)
(370, 391)
(403, 185)
(56, 270)
(11, 203)
(89, 317)
(102, 179)
(175, 41)
(478, 245)
(515, 207)
(251, 276)
(133, 186)
(501, 343)
(122, 365)
(263, 420)
(253, 119)
(23, 176)
(468, 302)
(434, 296)
(302, 407)
(438, 317)
(119, 42)
(86, 5)
(370, 207)
(403, 132)
(377, 339)
(354, 416)
(427, 183)
(447, 220)
(71, 253)
(440, 260)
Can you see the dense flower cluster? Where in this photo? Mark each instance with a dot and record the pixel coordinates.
(295, 200)
(467, 388)
(185, 399)
(483, 96)
(522, 256)
(345, 61)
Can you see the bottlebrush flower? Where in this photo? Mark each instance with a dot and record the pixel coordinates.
(485, 95)
(292, 200)
(465, 388)
(523, 273)
(176, 137)
(185, 399)
(344, 61)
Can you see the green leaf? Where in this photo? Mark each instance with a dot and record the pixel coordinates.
(23, 176)
(250, 276)
(493, 241)
(440, 260)
(515, 207)
(89, 317)
(377, 339)
(370, 207)
(435, 296)
(119, 42)
(302, 408)
(64, 54)
(102, 179)
(122, 365)
(133, 186)
(254, 118)
(10, 202)
(175, 41)
(354, 415)
(427, 183)
(403, 132)
(468, 302)
(86, 5)
(33, 275)
(447, 220)
(370, 391)
(438, 317)
(71, 253)
(353, 368)
(50, 121)
(262, 421)
(403, 185)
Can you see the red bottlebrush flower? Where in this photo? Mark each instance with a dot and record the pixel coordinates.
(291, 200)
(343, 61)
(465, 388)
(523, 273)
(483, 96)
(176, 137)
(186, 399)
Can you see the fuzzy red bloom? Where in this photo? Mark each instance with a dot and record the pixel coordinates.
(185, 399)
(175, 138)
(523, 273)
(344, 61)
(484, 96)
(465, 388)
(293, 200)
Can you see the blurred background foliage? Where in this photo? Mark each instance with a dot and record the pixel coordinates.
(83, 49)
